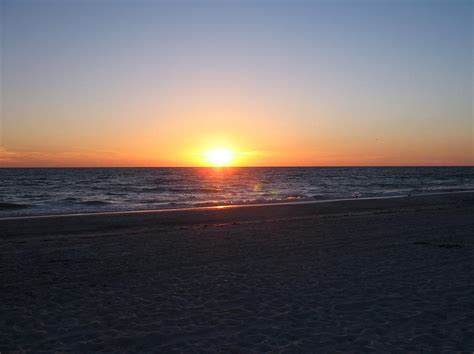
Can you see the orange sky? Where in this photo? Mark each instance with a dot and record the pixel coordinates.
(159, 84)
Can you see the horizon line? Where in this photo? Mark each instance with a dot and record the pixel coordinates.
(228, 167)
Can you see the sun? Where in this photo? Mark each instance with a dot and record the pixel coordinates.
(220, 157)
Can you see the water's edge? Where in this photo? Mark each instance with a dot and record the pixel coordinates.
(217, 207)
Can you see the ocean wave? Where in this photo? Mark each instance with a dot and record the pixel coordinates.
(95, 203)
(294, 196)
(160, 180)
(444, 189)
(184, 190)
(196, 190)
(10, 206)
(152, 190)
(253, 201)
(69, 199)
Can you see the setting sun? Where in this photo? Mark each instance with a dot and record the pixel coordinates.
(219, 157)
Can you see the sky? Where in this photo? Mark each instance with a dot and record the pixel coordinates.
(280, 83)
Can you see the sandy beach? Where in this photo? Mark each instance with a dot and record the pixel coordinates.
(358, 275)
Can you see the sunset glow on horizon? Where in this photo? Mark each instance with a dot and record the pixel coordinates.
(244, 83)
(220, 157)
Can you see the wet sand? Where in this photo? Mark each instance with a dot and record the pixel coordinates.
(359, 275)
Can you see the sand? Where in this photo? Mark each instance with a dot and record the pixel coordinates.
(359, 275)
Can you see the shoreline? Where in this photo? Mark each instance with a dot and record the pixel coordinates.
(226, 206)
(92, 222)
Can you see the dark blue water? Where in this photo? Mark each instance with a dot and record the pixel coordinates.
(69, 190)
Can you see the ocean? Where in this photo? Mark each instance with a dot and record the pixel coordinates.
(50, 191)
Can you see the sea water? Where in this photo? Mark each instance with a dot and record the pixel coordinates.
(43, 191)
